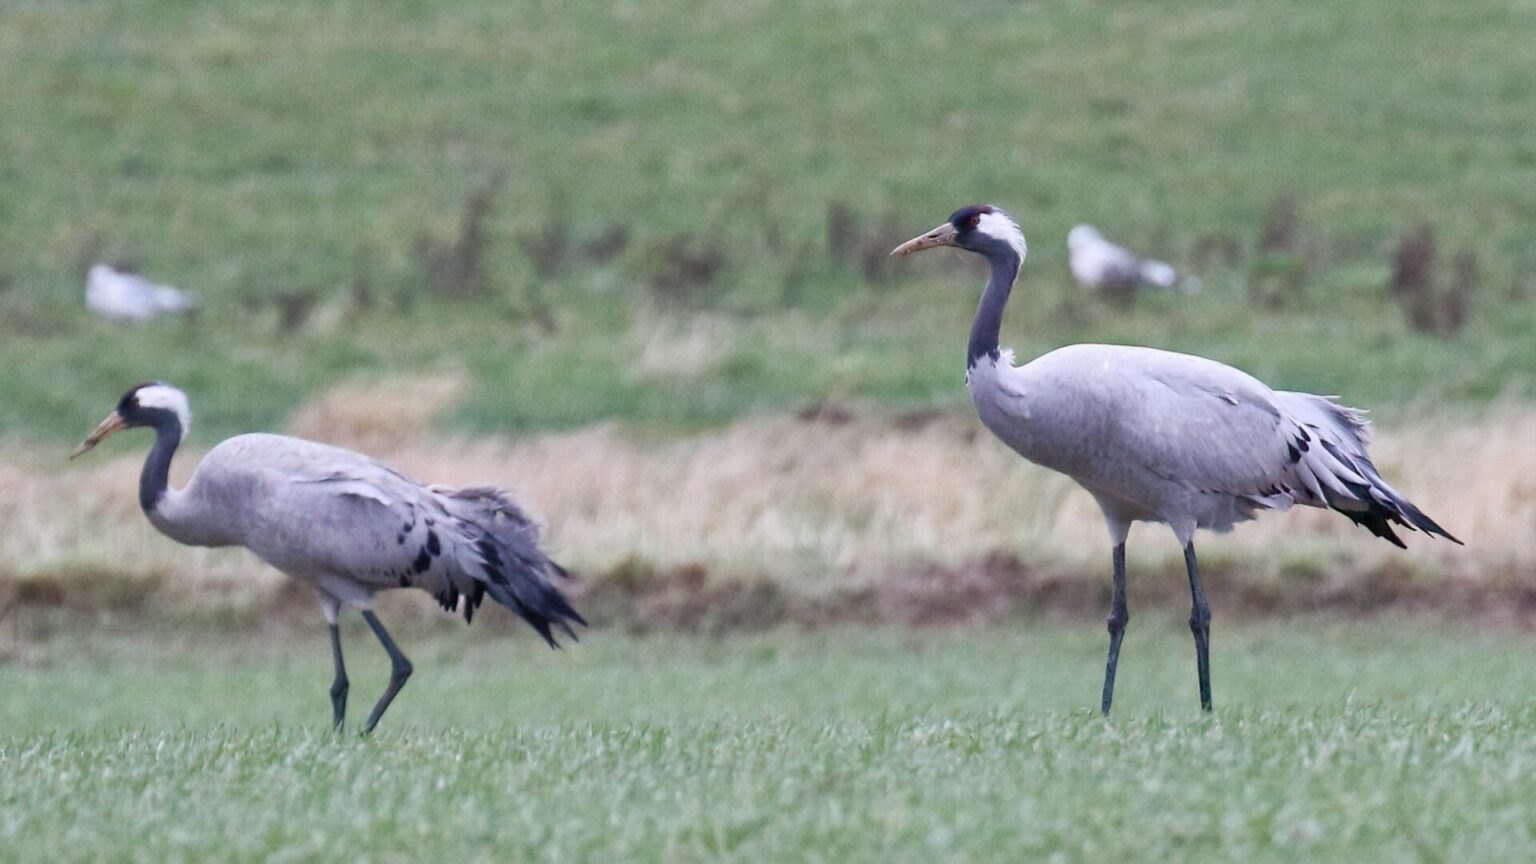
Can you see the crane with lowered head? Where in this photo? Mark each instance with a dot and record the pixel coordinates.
(345, 524)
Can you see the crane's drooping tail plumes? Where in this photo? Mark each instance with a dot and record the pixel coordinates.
(515, 571)
(1371, 502)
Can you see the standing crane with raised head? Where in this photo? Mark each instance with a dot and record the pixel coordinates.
(345, 524)
(1157, 436)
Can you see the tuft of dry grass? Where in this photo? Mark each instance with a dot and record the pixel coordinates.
(378, 415)
(676, 347)
(455, 266)
(862, 519)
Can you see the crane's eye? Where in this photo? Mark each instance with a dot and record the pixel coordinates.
(973, 220)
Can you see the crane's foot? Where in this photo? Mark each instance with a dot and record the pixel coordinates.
(1202, 633)
(1116, 633)
(397, 678)
(1119, 616)
(340, 685)
(339, 701)
(400, 671)
(1199, 626)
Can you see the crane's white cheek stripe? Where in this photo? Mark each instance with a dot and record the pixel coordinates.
(1000, 227)
(168, 398)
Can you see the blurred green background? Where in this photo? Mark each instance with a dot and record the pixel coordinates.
(533, 194)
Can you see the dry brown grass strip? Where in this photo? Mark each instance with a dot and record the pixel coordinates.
(862, 519)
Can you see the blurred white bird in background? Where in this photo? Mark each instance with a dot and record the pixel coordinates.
(1101, 265)
(123, 295)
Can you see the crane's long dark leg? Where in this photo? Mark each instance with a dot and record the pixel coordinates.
(1200, 626)
(340, 686)
(401, 670)
(1119, 616)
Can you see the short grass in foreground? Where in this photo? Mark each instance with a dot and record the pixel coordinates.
(1381, 740)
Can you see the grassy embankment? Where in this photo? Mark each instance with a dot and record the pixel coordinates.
(276, 156)
(925, 520)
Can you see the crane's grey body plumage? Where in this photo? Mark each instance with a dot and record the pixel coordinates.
(346, 524)
(1158, 436)
(352, 527)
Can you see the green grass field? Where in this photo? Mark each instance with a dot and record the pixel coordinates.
(1381, 740)
(248, 150)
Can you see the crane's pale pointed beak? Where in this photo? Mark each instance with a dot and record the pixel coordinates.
(944, 235)
(113, 423)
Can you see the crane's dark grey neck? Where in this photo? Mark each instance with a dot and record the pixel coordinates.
(988, 326)
(156, 477)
